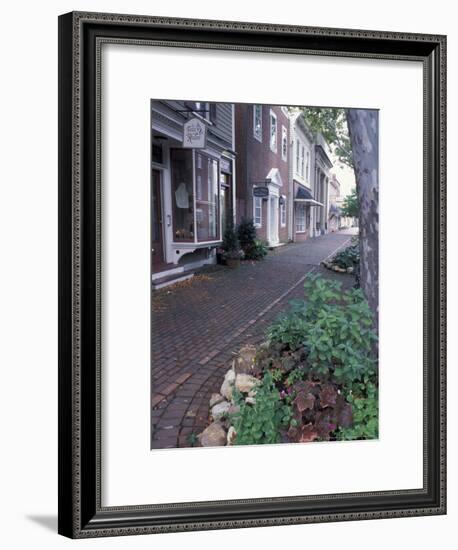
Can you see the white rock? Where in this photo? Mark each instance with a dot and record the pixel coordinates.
(215, 399)
(231, 433)
(245, 382)
(229, 376)
(220, 410)
(213, 436)
(226, 389)
(250, 400)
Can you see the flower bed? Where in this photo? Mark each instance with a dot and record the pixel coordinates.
(345, 261)
(313, 379)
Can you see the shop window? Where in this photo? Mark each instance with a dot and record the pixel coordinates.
(257, 211)
(207, 199)
(257, 122)
(300, 218)
(182, 194)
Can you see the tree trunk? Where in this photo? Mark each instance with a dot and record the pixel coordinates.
(363, 130)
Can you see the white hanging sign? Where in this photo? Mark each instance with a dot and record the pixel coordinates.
(194, 134)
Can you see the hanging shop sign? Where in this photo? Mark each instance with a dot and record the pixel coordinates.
(261, 191)
(194, 134)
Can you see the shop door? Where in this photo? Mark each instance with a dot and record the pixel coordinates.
(157, 247)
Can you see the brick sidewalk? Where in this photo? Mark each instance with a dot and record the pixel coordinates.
(198, 325)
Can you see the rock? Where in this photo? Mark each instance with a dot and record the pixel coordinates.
(220, 410)
(250, 400)
(244, 363)
(213, 436)
(252, 393)
(230, 376)
(234, 409)
(245, 382)
(231, 433)
(226, 389)
(215, 399)
(349, 269)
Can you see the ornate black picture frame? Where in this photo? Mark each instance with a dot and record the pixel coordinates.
(81, 513)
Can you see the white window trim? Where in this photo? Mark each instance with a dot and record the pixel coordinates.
(307, 164)
(259, 138)
(302, 162)
(301, 207)
(283, 212)
(297, 157)
(284, 137)
(255, 199)
(273, 115)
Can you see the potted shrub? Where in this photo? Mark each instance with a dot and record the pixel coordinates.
(232, 252)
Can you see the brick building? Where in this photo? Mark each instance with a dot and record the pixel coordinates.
(262, 157)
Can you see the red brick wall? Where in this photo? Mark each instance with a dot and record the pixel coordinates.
(255, 160)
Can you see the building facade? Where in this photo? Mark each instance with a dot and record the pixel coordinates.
(262, 147)
(192, 189)
(301, 177)
(323, 166)
(334, 201)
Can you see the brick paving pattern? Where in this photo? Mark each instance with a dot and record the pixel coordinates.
(199, 325)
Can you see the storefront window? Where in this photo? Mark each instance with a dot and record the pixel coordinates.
(300, 218)
(182, 195)
(207, 198)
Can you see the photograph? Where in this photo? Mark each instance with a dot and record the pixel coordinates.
(264, 274)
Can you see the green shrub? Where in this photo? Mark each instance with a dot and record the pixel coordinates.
(318, 371)
(231, 244)
(348, 257)
(261, 422)
(258, 251)
(364, 402)
(253, 248)
(335, 327)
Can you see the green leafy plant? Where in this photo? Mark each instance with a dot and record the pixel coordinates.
(258, 251)
(364, 402)
(332, 384)
(348, 257)
(231, 244)
(262, 421)
(193, 439)
(253, 248)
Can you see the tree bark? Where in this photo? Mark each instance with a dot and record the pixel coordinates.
(363, 130)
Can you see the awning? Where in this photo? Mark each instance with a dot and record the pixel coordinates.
(303, 195)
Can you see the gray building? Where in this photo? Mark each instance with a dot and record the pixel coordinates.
(192, 183)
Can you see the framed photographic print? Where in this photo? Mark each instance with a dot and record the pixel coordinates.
(251, 274)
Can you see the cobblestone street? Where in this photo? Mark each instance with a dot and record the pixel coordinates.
(199, 324)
